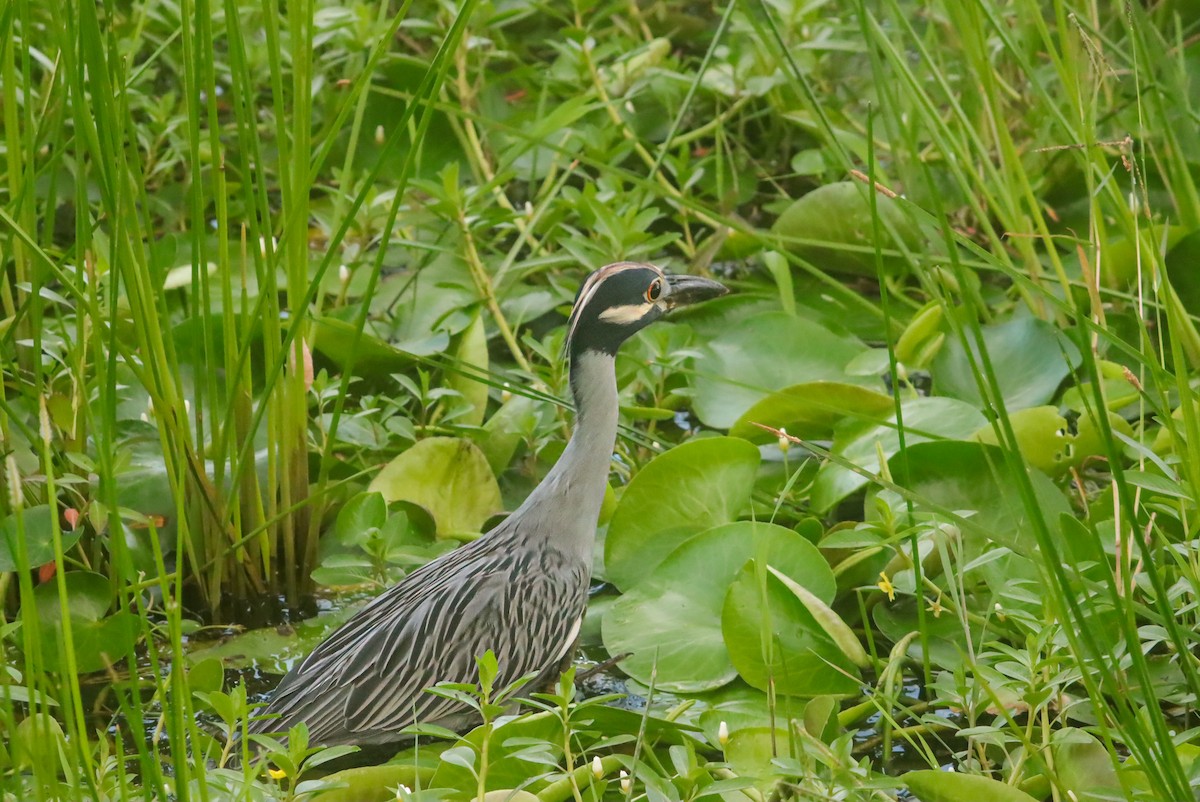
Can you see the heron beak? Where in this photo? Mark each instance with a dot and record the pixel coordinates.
(687, 290)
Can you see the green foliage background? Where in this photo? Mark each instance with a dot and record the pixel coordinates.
(281, 312)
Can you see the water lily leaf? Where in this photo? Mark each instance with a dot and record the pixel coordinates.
(98, 641)
(751, 749)
(39, 538)
(1042, 438)
(951, 786)
(1030, 358)
(774, 639)
(835, 223)
(676, 496)
(763, 353)
(672, 620)
(1084, 767)
(271, 650)
(809, 411)
(447, 476)
(961, 476)
(944, 632)
(861, 443)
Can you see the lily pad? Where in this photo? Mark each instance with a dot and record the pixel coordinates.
(800, 658)
(676, 496)
(447, 476)
(862, 442)
(959, 476)
(764, 353)
(671, 622)
(39, 538)
(98, 641)
(1029, 356)
(838, 232)
(809, 411)
(271, 650)
(1042, 438)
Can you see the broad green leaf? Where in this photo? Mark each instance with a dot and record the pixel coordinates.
(830, 622)
(472, 354)
(98, 641)
(1083, 766)
(39, 538)
(677, 495)
(516, 419)
(89, 595)
(810, 411)
(761, 354)
(1030, 358)
(359, 515)
(951, 786)
(447, 476)
(1042, 438)
(861, 443)
(270, 650)
(672, 619)
(751, 749)
(774, 640)
(960, 476)
(837, 233)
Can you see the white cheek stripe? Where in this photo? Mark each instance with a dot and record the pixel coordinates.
(630, 313)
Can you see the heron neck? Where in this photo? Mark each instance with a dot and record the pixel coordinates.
(574, 488)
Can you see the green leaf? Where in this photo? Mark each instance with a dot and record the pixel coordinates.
(764, 353)
(861, 443)
(362, 513)
(773, 639)
(836, 225)
(1084, 767)
(810, 411)
(677, 495)
(672, 619)
(340, 343)
(951, 786)
(473, 354)
(830, 621)
(447, 476)
(960, 476)
(1030, 358)
(97, 641)
(1042, 438)
(39, 538)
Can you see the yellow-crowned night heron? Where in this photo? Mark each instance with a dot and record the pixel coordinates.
(519, 590)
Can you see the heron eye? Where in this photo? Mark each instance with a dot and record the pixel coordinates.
(654, 291)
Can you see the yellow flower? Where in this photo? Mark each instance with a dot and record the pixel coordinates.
(886, 586)
(277, 774)
(935, 607)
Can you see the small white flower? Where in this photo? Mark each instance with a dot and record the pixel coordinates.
(723, 734)
(626, 783)
(784, 442)
(343, 274)
(597, 767)
(380, 135)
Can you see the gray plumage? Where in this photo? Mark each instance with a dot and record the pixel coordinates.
(520, 590)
